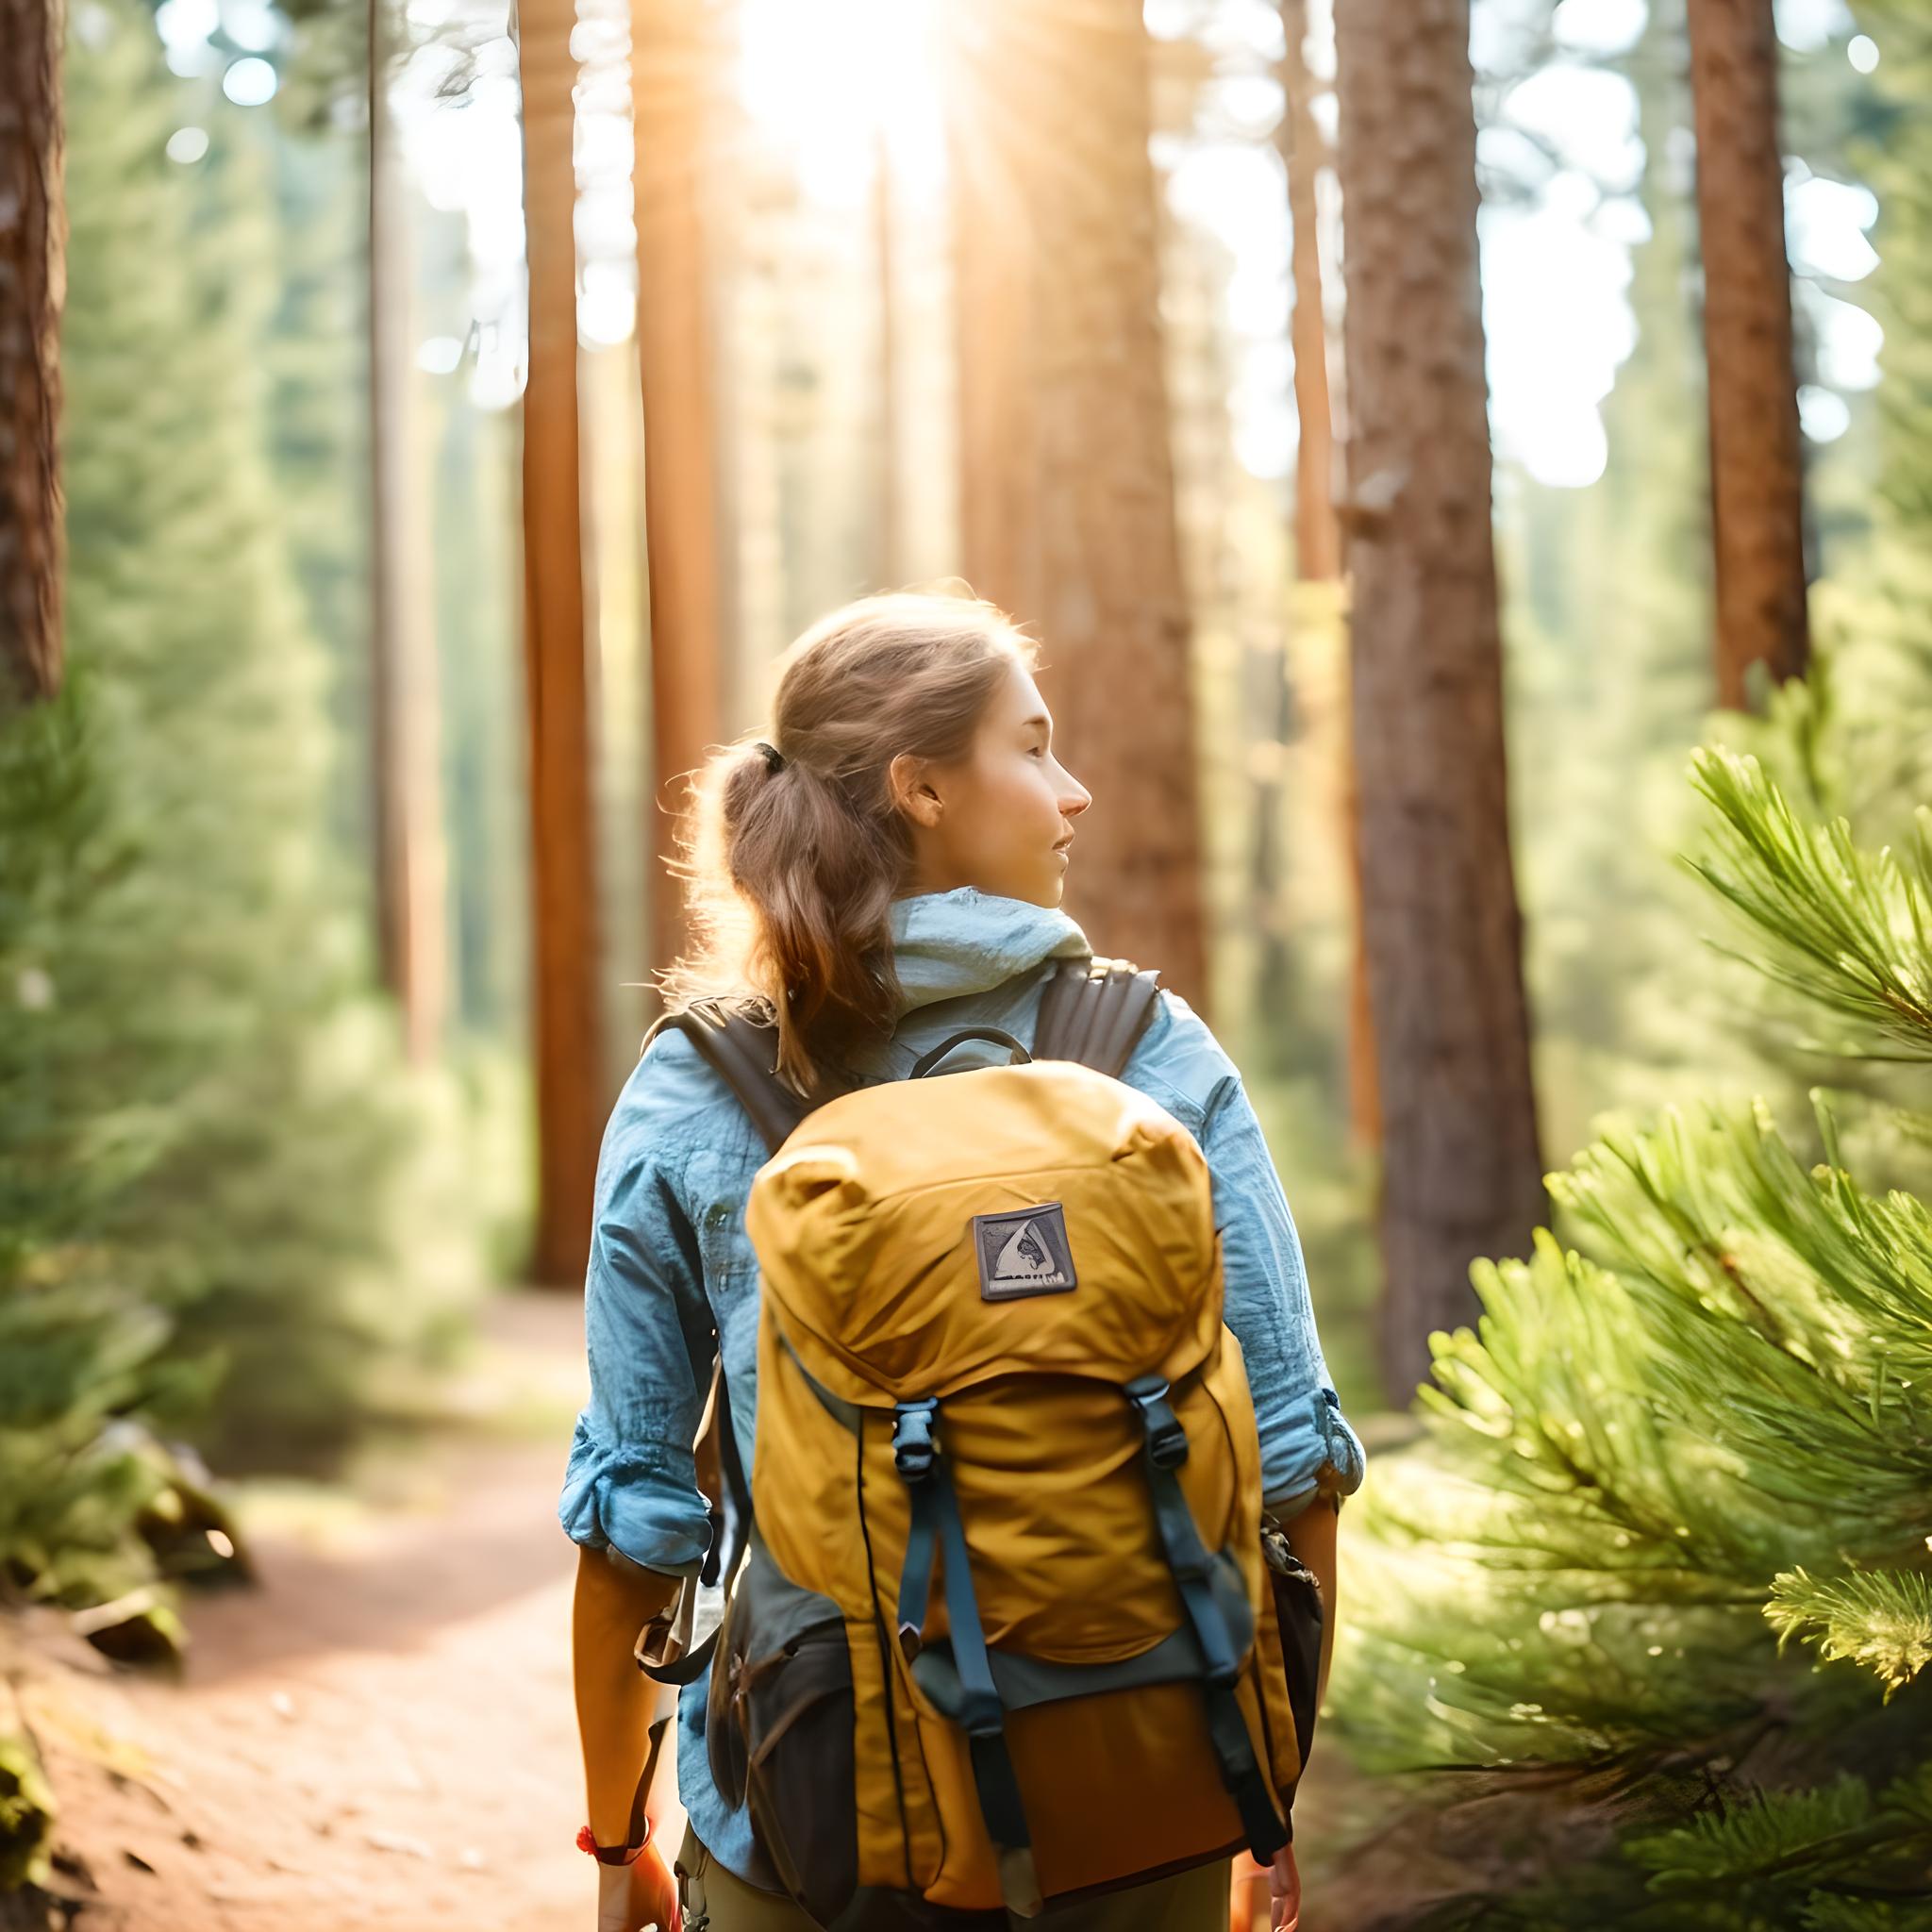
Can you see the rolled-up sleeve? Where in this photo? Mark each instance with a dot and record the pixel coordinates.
(631, 1482)
(1307, 1447)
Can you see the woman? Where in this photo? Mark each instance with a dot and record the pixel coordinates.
(902, 840)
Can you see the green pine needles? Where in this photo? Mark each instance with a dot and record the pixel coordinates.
(1880, 1620)
(1850, 931)
(1661, 1571)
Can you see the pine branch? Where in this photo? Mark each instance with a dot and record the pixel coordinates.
(1775, 1833)
(1741, 1383)
(1849, 931)
(1880, 1620)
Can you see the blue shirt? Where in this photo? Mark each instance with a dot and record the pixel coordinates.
(671, 1265)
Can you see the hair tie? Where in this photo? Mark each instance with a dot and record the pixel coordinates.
(774, 757)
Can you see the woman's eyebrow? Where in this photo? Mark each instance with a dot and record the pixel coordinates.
(1039, 718)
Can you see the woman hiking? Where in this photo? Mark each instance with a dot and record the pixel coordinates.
(880, 873)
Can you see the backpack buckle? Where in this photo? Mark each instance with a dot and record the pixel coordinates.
(1167, 1441)
(912, 1443)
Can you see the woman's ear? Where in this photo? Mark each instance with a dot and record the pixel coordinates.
(907, 779)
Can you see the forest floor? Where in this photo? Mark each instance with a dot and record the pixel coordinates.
(379, 1736)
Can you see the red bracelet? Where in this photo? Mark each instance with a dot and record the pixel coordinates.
(612, 1855)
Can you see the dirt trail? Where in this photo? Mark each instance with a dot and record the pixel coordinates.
(380, 1736)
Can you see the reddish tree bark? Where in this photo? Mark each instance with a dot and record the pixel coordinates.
(1067, 480)
(411, 856)
(673, 60)
(32, 285)
(1318, 536)
(1317, 530)
(563, 853)
(1364, 1079)
(1756, 463)
(1461, 1173)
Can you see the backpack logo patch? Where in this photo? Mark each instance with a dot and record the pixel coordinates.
(1022, 1252)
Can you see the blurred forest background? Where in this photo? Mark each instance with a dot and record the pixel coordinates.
(457, 414)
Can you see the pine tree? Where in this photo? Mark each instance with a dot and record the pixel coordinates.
(412, 857)
(563, 849)
(1680, 1595)
(209, 1153)
(31, 277)
(1066, 479)
(674, 65)
(1757, 519)
(77, 1346)
(1445, 966)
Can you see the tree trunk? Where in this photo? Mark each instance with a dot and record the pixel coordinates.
(1318, 537)
(673, 60)
(1067, 506)
(1461, 1173)
(563, 861)
(32, 282)
(1364, 1081)
(1756, 466)
(1317, 530)
(411, 860)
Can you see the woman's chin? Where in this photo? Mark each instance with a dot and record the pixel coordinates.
(1046, 888)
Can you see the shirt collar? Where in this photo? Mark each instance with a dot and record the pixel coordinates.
(948, 944)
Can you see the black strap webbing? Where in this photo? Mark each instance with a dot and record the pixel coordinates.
(1096, 1011)
(742, 1048)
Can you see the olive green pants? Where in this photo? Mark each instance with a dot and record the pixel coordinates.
(715, 1900)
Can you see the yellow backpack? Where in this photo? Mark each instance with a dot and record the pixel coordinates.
(1003, 1635)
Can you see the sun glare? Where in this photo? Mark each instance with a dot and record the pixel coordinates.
(832, 78)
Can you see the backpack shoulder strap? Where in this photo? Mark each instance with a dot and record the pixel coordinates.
(1094, 1011)
(742, 1049)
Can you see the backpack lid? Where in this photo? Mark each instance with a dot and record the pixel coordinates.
(892, 1234)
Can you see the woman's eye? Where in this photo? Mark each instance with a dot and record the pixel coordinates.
(1039, 751)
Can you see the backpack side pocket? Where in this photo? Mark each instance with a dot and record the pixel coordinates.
(1298, 1620)
(780, 1733)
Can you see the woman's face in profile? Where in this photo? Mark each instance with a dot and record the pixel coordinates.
(1001, 819)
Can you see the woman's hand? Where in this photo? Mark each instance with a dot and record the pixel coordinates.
(644, 1892)
(1284, 1893)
